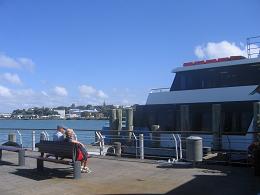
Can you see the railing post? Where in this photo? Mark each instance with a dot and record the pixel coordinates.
(33, 140)
(141, 146)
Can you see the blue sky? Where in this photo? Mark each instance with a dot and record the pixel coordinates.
(86, 52)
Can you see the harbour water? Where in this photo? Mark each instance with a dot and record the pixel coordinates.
(84, 129)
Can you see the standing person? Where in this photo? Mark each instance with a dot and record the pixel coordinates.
(59, 134)
(69, 138)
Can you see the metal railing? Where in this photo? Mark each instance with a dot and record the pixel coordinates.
(137, 144)
(253, 47)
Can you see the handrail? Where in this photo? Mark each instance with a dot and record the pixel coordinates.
(136, 145)
(20, 136)
(176, 147)
(178, 136)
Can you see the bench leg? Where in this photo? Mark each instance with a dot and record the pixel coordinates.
(39, 165)
(77, 170)
(0, 154)
(21, 158)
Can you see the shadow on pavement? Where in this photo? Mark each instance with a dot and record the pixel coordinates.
(44, 175)
(217, 180)
(7, 163)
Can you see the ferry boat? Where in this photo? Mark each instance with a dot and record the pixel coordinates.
(231, 82)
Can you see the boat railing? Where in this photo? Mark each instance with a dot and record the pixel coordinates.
(253, 47)
(159, 90)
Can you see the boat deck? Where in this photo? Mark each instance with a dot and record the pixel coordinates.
(110, 176)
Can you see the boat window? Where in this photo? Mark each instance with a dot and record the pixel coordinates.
(231, 76)
(236, 117)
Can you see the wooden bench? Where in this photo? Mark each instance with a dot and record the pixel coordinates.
(64, 150)
(20, 151)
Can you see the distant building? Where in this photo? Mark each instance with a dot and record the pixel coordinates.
(5, 115)
(61, 113)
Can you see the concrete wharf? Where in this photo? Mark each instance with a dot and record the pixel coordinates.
(124, 176)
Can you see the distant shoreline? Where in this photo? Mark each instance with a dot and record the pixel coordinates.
(56, 119)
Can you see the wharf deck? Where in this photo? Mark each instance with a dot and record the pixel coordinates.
(110, 176)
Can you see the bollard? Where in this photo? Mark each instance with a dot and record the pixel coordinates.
(21, 158)
(129, 118)
(33, 140)
(112, 120)
(119, 117)
(130, 133)
(117, 149)
(113, 124)
(77, 170)
(141, 146)
(12, 137)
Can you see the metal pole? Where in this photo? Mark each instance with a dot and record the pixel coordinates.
(136, 145)
(33, 140)
(102, 143)
(176, 146)
(141, 146)
(179, 137)
(20, 136)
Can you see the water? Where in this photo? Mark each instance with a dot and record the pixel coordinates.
(84, 129)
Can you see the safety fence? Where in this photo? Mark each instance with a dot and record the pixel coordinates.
(144, 144)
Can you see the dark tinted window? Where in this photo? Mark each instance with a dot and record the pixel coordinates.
(231, 76)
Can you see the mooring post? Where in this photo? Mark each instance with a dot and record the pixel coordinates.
(119, 117)
(21, 158)
(141, 146)
(113, 125)
(33, 140)
(129, 123)
(129, 118)
(216, 126)
(112, 120)
(12, 137)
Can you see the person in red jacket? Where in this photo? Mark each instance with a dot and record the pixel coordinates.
(70, 138)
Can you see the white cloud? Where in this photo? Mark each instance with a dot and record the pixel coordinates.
(20, 63)
(5, 92)
(220, 49)
(101, 94)
(44, 93)
(91, 92)
(60, 91)
(86, 91)
(11, 78)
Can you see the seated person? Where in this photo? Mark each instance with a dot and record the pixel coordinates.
(59, 134)
(70, 138)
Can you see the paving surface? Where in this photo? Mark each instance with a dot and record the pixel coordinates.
(123, 177)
